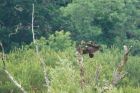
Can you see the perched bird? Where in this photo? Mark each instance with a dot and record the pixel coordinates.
(88, 48)
(91, 49)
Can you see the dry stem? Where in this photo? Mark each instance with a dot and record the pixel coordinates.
(8, 74)
(118, 73)
(81, 65)
(37, 52)
(14, 81)
(97, 74)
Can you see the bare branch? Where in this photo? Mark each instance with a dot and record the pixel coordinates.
(33, 24)
(37, 51)
(3, 56)
(8, 74)
(14, 81)
(97, 74)
(118, 74)
(81, 65)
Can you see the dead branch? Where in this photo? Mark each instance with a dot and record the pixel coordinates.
(118, 74)
(81, 65)
(33, 25)
(45, 72)
(97, 74)
(3, 56)
(106, 87)
(14, 81)
(8, 74)
(43, 65)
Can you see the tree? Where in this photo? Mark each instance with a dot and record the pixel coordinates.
(15, 20)
(105, 19)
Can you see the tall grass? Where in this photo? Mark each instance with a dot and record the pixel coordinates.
(63, 71)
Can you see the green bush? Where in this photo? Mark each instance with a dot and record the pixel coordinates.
(60, 41)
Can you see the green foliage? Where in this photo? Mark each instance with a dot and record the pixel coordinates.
(60, 41)
(106, 21)
(64, 78)
(16, 19)
(103, 20)
(133, 71)
(81, 18)
(64, 72)
(136, 46)
(112, 23)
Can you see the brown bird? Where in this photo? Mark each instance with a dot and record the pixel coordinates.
(92, 49)
(89, 48)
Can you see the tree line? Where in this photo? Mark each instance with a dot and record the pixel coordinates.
(108, 22)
